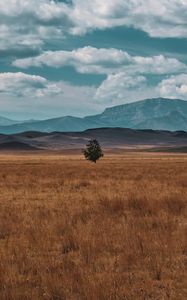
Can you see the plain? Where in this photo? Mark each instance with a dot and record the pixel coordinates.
(74, 230)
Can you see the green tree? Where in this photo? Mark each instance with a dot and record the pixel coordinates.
(93, 151)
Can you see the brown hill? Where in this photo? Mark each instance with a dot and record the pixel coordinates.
(110, 138)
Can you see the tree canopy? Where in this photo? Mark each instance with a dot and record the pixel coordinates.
(93, 151)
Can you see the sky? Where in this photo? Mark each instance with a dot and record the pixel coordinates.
(77, 57)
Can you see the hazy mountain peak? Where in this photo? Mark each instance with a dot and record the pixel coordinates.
(6, 121)
(156, 113)
(151, 101)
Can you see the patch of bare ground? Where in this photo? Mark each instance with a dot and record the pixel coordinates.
(77, 231)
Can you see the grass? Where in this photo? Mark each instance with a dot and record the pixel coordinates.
(77, 231)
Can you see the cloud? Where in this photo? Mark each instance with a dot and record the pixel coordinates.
(121, 88)
(85, 60)
(161, 18)
(174, 87)
(25, 85)
(117, 86)
(31, 24)
(104, 61)
(45, 12)
(30, 96)
(28, 28)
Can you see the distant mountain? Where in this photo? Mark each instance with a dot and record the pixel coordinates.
(110, 138)
(174, 120)
(149, 113)
(7, 122)
(157, 114)
(63, 124)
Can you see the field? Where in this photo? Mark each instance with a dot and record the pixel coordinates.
(72, 230)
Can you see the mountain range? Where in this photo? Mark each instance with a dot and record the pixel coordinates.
(109, 138)
(156, 114)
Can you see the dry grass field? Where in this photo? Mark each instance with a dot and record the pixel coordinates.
(72, 230)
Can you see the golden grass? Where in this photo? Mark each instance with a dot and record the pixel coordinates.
(77, 231)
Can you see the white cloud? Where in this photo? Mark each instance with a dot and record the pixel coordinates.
(25, 85)
(104, 61)
(30, 23)
(120, 88)
(117, 85)
(31, 96)
(81, 59)
(12, 42)
(174, 87)
(161, 18)
(27, 27)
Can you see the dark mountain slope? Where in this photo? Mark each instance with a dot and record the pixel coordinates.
(16, 146)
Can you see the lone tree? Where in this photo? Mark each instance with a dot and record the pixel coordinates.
(93, 151)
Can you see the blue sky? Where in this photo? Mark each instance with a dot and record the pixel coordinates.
(78, 57)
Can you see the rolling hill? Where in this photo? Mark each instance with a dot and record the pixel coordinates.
(110, 138)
